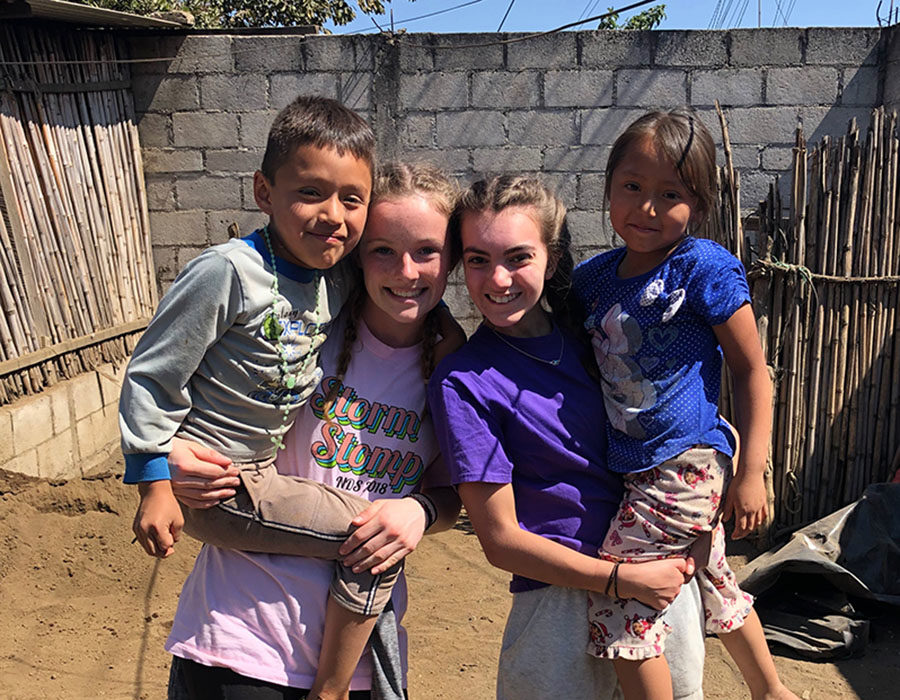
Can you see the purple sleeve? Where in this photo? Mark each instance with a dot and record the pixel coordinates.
(720, 288)
(469, 437)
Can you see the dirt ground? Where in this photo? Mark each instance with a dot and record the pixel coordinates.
(85, 612)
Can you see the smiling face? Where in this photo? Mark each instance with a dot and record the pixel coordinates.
(317, 204)
(506, 263)
(405, 258)
(649, 205)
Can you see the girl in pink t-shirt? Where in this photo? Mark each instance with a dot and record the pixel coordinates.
(249, 620)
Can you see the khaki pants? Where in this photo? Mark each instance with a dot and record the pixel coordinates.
(278, 514)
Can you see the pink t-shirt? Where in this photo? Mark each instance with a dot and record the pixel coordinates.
(262, 615)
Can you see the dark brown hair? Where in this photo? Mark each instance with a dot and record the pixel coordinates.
(683, 139)
(311, 120)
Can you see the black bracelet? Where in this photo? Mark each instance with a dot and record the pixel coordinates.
(428, 506)
(613, 578)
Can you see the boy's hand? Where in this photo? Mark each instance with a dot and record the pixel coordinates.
(746, 500)
(158, 521)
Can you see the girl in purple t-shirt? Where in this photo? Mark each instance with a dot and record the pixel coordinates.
(662, 310)
(516, 416)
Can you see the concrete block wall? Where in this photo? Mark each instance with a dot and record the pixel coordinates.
(551, 105)
(65, 432)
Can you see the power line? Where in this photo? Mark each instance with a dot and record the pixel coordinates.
(506, 14)
(413, 19)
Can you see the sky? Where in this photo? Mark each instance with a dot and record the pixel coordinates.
(534, 15)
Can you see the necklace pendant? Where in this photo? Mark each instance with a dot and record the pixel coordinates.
(290, 380)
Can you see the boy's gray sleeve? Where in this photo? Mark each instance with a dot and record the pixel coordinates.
(201, 305)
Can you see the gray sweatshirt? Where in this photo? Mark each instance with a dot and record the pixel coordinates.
(204, 370)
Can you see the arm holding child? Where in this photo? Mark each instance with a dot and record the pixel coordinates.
(746, 497)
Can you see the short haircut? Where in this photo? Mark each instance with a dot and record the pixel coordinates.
(311, 120)
(683, 139)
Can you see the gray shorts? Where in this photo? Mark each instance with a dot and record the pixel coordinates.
(278, 514)
(543, 653)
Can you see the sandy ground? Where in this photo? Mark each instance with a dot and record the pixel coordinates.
(85, 612)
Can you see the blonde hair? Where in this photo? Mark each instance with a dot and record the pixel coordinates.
(396, 180)
(683, 139)
(498, 193)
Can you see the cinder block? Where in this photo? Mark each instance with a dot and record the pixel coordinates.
(891, 39)
(166, 93)
(809, 85)
(205, 129)
(152, 46)
(110, 386)
(746, 157)
(208, 192)
(356, 91)
(219, 221)
(85, 392)
(608, 48)
(243, 92)
(650, 88)
(578, 88)
(554, 51)
(32, 421)
(776, 158)
(418, 56)
(165, 261)
(470, 128)
(603, 126)
(172, 160)
(690, 48)
(576, 159)
(819, 121)
(7, 446)
(536, 128)
(892, 86)
(433, 91)
(25, 463)
(462, 51)
(93, 433)
(457, 298)
(60, 407)
(203, 54)
(591, 187)
(564, 185)
(177, 228)
(767, 47)
(592, 230)
(844, 46)
(186, 254)
(329, 53)
(264, 54)
(860, 86)
(506, 159)
(286, 87)
(731, 87)
(248, 200)
(154, 130)
(506, 90)
(417, 130)
(234, 160)
(454, 161)
(762, 125)
(755, 186)
(160, 192)
(56, 458)
(254, 128)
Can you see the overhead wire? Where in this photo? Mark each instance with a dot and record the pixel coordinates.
(506, 14)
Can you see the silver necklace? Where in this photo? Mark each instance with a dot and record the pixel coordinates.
(553, 363)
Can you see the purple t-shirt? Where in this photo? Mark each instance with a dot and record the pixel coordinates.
(503, 417)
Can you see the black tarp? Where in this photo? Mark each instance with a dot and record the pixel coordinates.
(811, 592)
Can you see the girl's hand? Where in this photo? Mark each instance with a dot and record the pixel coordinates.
(386, 532)
(654, 583)
(201, 477)
(746, 500)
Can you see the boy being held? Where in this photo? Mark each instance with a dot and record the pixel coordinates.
(232, 353)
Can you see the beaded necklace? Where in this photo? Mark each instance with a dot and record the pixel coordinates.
(272, 330)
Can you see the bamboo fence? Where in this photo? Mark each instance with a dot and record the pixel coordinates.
(824, 268)
(76, 279)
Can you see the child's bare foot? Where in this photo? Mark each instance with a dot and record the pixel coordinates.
(780, 692)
